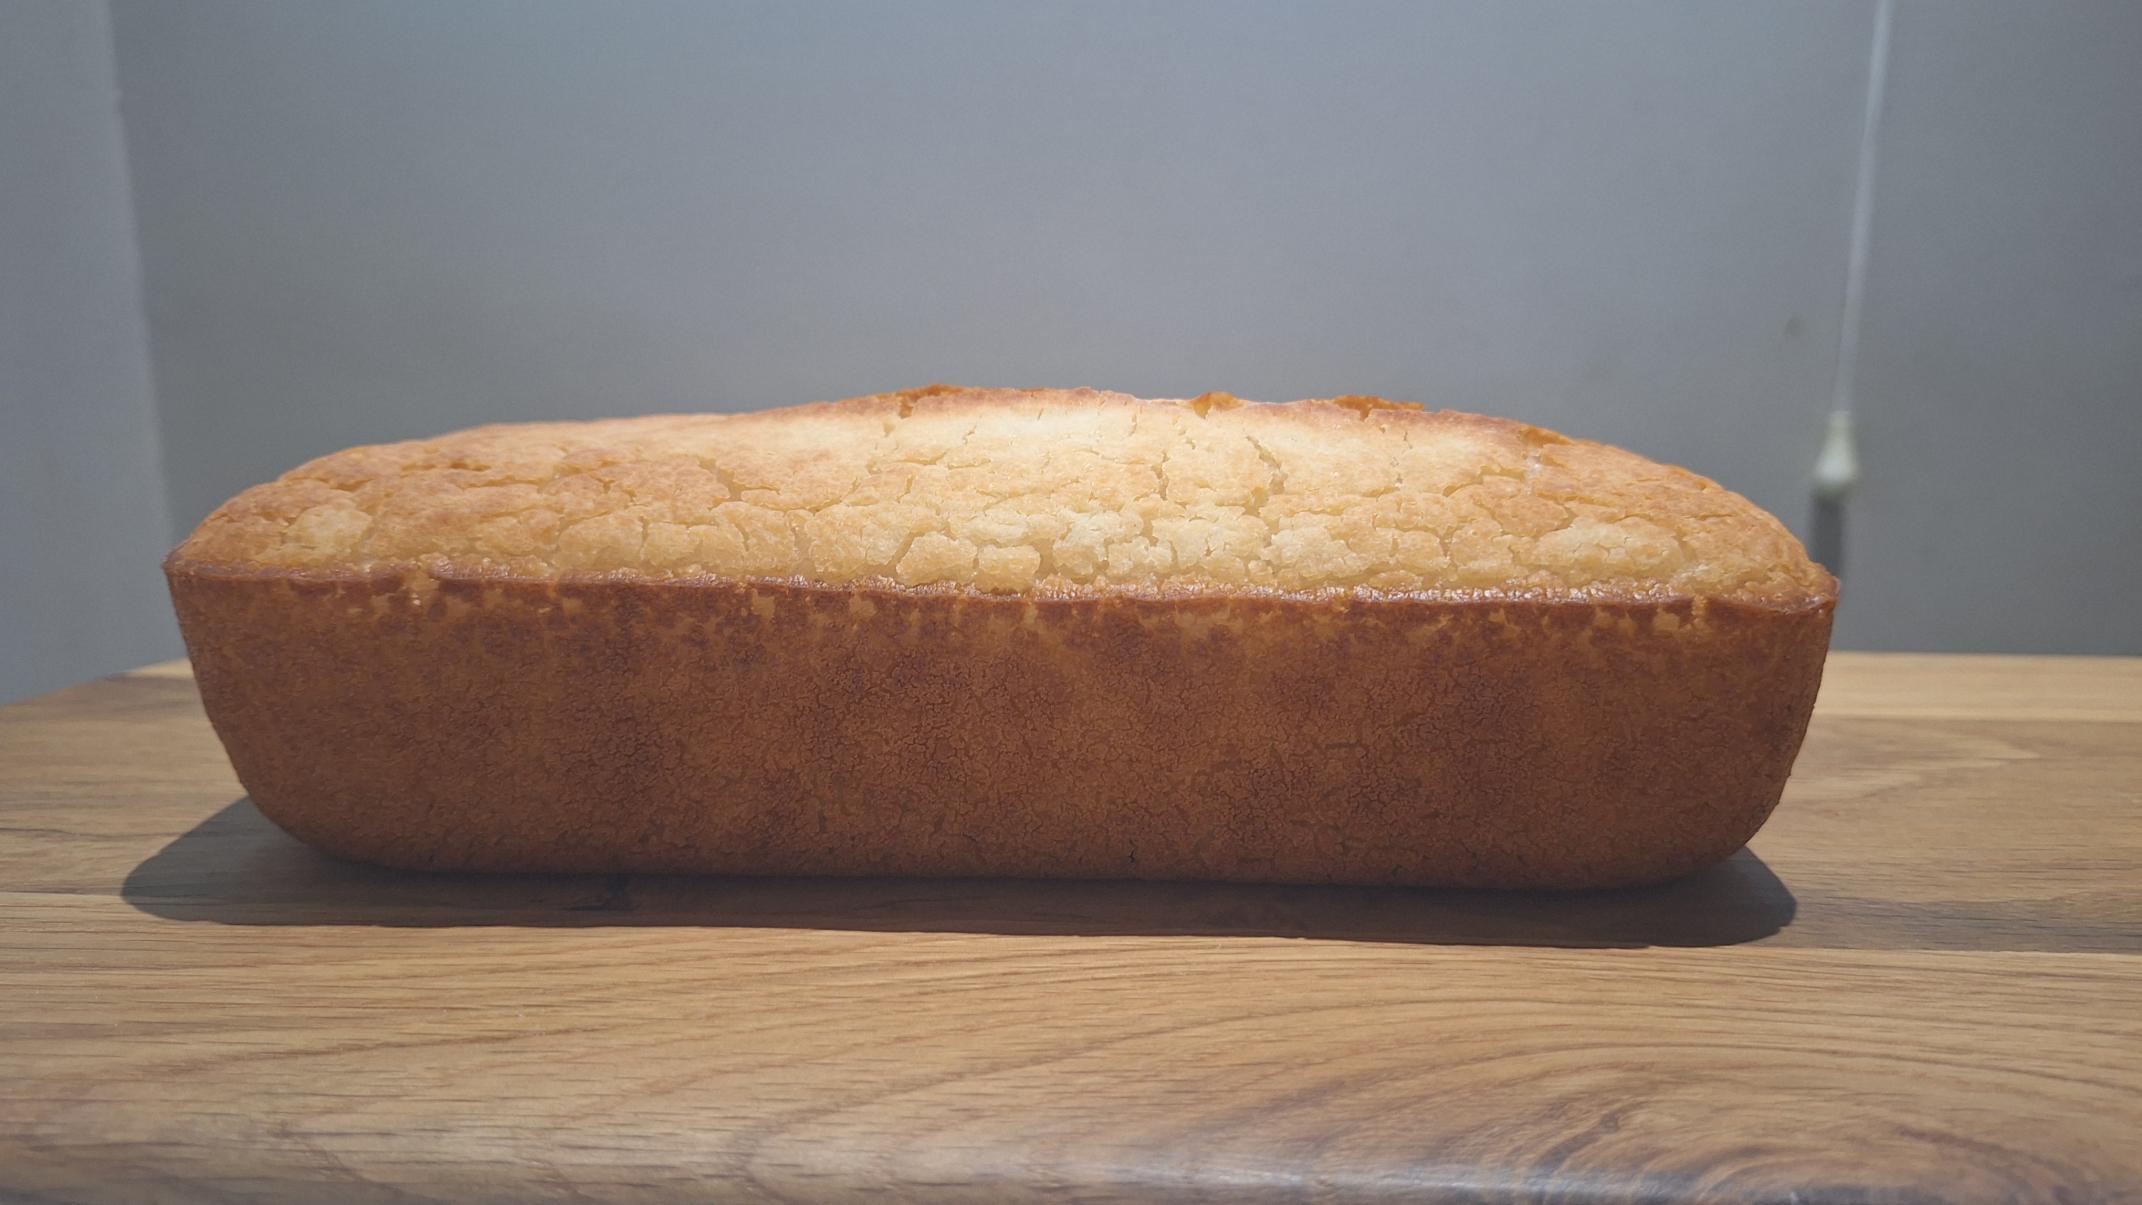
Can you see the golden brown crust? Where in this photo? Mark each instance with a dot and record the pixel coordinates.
(605, 725)
(1035, 492)
(446, 689)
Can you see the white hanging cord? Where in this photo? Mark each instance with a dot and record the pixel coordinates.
(1837, 467)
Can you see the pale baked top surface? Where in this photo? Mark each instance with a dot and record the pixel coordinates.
(1042, 491)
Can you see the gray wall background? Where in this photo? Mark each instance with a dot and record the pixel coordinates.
(2001, 369)
(375, 221)
(83, 518)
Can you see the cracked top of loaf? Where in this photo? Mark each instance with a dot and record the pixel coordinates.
(1048, 492)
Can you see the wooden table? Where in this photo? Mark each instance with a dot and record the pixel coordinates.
(1923, 983)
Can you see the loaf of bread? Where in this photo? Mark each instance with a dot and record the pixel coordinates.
(1001, 632)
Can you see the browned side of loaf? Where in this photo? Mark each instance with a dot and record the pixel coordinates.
(616, 726)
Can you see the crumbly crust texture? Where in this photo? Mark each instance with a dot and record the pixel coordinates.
(1068, 493)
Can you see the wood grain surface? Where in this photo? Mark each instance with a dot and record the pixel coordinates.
(1923, 983)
